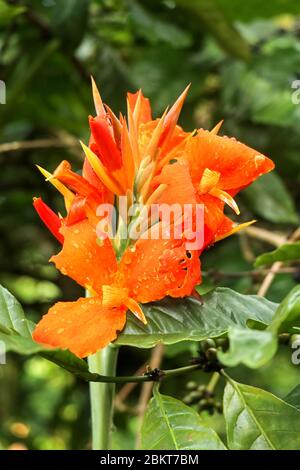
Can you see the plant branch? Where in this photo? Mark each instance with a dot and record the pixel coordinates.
(267, 282)
(153, 376)
(37, 144)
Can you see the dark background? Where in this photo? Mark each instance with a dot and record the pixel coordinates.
(241, 58)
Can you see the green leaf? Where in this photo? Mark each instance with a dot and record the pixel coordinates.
(214, 20)
(69, 19)
(253, 9)
(287, 316)
(257, 420)
(11, 314)
(171, 425)
(174, 320)
(156, 30)
(269, 198)
(293, 398)
(286, 252)
(9, 12)
(253, 348)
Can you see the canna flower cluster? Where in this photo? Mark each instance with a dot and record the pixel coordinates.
(150, 161)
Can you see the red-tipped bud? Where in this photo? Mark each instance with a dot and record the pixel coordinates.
(50, 219)
(103, 144)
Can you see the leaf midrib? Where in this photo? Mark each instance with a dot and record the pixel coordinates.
(161, 407)
(249, 410)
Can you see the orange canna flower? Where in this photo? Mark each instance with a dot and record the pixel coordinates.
(150, 162)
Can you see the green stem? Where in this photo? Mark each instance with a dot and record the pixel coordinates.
(102, 396)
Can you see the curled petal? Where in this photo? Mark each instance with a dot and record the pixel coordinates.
(50, 219)
(103, 144)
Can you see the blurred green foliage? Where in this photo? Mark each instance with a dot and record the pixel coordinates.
(242, 58)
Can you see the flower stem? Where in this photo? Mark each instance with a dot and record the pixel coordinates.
(102, 397)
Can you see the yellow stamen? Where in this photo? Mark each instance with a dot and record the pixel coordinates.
(217, 127)
(235, 229)
(135, 308)
(92, 292)
(66, 193)
(225, 197)
(208, 185)
(208, 181)
(100, 171)
(113, 296)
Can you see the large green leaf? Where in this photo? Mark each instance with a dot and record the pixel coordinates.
(253, 348)
(286, 252)
(174, 320)
(269, 198)
(257, 420)
(171, 425)
(293, 398)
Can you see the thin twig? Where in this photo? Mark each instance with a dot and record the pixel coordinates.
(254, 274)
(276, 267)
(36, 144)
(265, 235)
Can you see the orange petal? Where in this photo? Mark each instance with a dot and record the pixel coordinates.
(102, 143)
(144, 106)
(213, 217)
(159, 267)
(180, 189)
(83, 327)
(100, 110)
(79, 185)
(172, 117)
(83, 259)
(237, 164)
